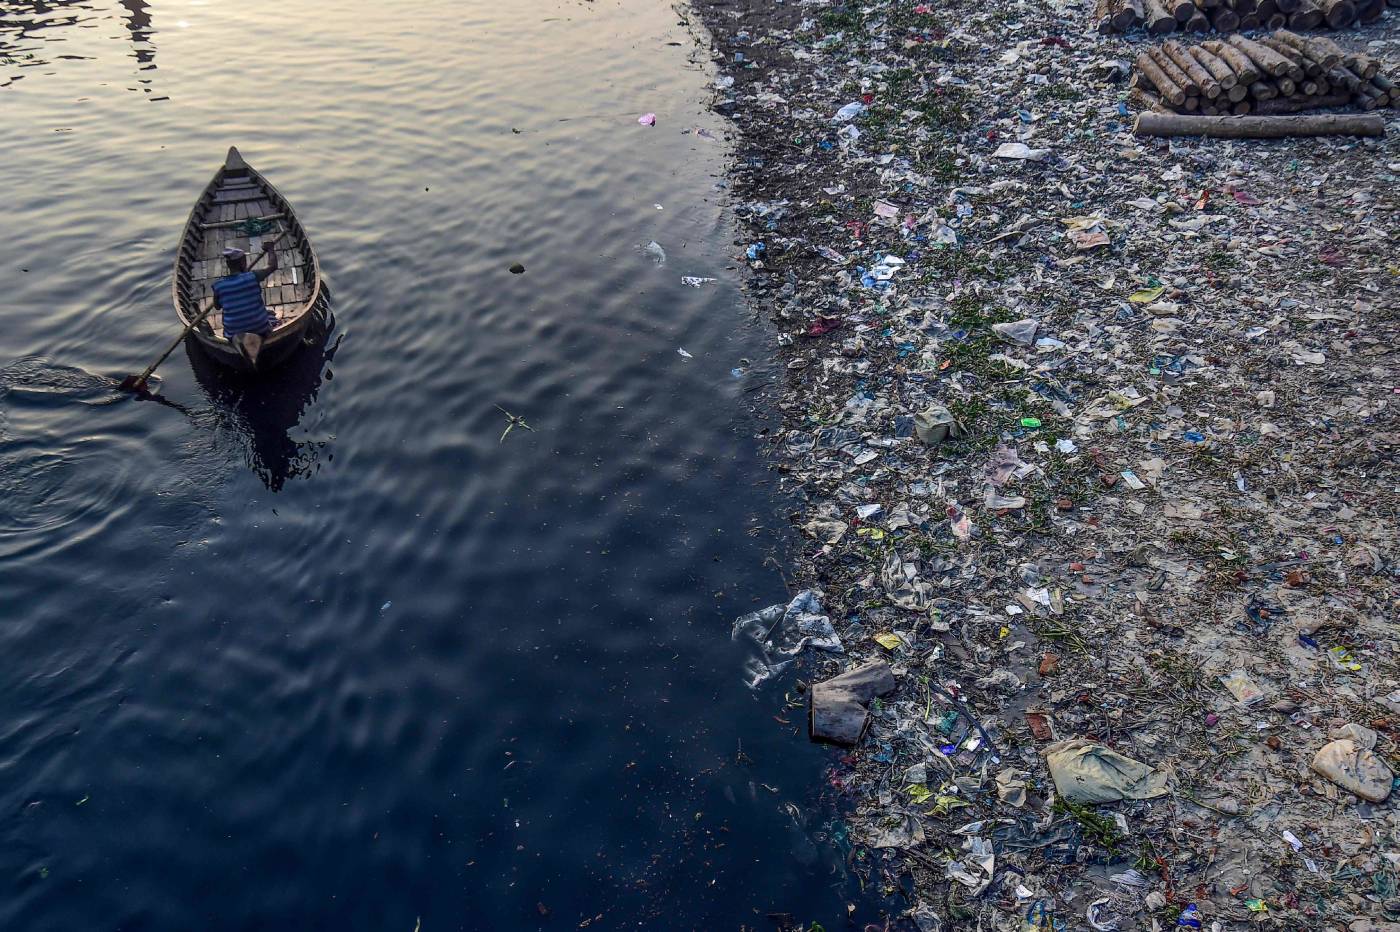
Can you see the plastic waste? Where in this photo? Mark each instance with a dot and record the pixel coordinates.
(926, 919)
(1040, 917)
(879, 276)
(1190, 917)
(654, 250)
(1342, 659)
(977, 868)
(1244, 689)
(1355, 767)
(1218, 365)
(647, 119)
(1089, 773)
(1011, 788)
(849, 112)
(901, 830)
(1021, 332)
(779, 633)
(1019, 150)
(998, 502)
(1100, 916)
(935, 424)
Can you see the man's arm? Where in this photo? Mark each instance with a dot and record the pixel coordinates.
(267, 248)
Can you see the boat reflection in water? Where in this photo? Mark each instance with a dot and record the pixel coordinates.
(260, 411)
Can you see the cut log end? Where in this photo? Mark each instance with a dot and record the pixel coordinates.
(1339, 13)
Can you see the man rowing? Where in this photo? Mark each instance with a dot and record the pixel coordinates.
(247, 321)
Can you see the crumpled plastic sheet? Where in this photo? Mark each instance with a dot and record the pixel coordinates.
(977, 868)
(1019, 331)
(926, 919)
(905, 831)
(903, 585)
(1002, 465)
(1100, 916)
(1085, 772)
(779, 633)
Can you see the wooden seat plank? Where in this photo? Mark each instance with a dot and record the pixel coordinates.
(273, 217)
(238, 197)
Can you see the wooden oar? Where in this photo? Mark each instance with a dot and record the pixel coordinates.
(137, 383)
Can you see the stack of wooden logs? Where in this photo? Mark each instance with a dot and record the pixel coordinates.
(1163, 16)
(1279, 73)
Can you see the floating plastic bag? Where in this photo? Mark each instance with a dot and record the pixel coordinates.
(1085, 772)
(780, 633)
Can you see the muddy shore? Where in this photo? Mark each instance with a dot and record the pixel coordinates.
(1163, 520)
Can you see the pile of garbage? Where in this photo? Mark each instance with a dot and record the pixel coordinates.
(1095, 443)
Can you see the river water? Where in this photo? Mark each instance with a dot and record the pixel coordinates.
(322, 651)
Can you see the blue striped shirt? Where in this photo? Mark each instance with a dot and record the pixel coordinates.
(240, 297)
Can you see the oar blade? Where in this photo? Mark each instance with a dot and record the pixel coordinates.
(137, 385)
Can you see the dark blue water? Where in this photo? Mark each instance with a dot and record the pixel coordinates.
(320, 651)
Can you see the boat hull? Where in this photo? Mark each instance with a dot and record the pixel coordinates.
(276, 349)
(240, 209)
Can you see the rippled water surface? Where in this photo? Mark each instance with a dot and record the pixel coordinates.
(320, 651)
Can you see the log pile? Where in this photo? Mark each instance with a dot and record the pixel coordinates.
(1164, 16)
(1273, 74)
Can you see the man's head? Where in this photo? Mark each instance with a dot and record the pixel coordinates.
(236, 259)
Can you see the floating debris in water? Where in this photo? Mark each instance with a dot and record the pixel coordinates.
(515, 421)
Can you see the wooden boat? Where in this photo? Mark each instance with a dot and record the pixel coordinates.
(239, 208)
